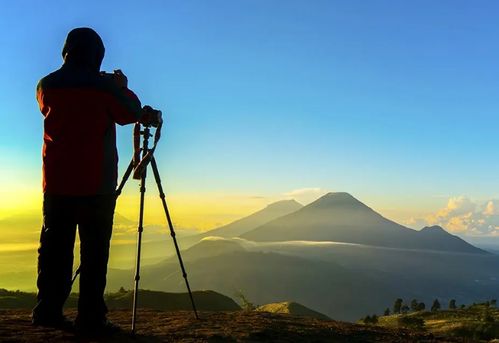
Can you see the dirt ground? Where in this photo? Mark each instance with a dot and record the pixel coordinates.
(182, 326)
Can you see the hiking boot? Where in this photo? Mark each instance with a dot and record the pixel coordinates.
(61, 322)
(96, 328)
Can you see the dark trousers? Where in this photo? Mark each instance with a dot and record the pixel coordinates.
(61, 215)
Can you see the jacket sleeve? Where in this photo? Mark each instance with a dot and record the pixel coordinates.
(123, 105)
(39, 98)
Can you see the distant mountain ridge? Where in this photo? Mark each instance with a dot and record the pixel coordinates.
(342, 218)
(245, 224)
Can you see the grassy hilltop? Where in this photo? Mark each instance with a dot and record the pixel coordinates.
(475, 322)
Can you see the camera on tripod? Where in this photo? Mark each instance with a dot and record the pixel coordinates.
(151, 117)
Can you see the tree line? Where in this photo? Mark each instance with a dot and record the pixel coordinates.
(399, 307)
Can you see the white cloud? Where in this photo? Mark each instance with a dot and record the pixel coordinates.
(464, 216)
(492, 208)
(306, 195)
(276, 246)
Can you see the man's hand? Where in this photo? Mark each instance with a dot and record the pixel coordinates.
(117, 77)
(120, 79)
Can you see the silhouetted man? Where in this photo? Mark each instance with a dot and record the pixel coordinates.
(80, 106)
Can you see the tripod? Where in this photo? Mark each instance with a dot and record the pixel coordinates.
(141, 173)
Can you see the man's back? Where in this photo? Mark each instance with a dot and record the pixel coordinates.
(81, 108)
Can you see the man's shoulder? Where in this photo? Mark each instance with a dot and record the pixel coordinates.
(49, 79)
(70, 78)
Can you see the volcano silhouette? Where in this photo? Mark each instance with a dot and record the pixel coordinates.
(339, 217)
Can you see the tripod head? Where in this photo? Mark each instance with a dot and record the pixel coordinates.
(150, 118)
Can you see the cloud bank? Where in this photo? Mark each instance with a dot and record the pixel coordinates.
(464, 216)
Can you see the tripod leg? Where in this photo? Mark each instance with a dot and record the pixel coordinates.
(77, 272)
(139, 244)
(125, 178)
(172, 231)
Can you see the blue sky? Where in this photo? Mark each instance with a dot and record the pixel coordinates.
(396, 102)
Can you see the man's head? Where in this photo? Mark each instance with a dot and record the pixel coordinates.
(84, 48)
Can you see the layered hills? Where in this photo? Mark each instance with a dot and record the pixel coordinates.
(265, 277)
(335, 255)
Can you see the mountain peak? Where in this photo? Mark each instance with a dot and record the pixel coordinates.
(338, 195)
(434, 228)
(337, 199)
(284, 204)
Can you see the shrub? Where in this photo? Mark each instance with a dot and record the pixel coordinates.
(414, 323)
(436, 305)
(370, 319)
(245, 303)
(397, 306)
